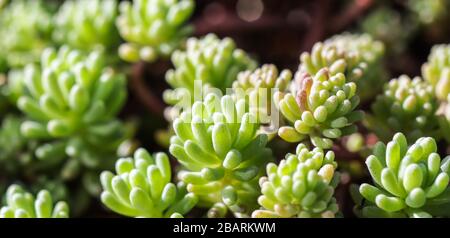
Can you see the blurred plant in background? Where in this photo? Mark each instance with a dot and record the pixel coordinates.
(152, 28)
(87, 25)
(26, 28)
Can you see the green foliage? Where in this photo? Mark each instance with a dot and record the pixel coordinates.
(379, 24)
(437, 70)
(142, 188)
(358, 57)
(408, 181)
(302, 185)
(408, 106)
(321, 107)
(87, 24)
(21, 204)
(214, 62)
(222, 155)
(258, 87)
(429, 11)
(25, 31)
(152, 28)
(71, 95)
(20, 155)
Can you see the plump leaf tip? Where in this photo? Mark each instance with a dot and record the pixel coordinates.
(320, 107)
(408, 181)
(152, 28)
(141, 187)
(21, 204)
(302, 185)
(222, 153)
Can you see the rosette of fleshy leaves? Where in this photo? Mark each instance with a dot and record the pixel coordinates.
(258, 87)
(25, 31)
(437, 70)
(408, 181)
(141, 187)
(153, 28)
(406, 105)
(87, 25)
(73, 98)
(21, 204)
(357, 56)
(302, 185)
(222, 154)
(208, 62)
(320, 107)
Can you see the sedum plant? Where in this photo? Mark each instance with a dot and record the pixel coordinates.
(222, 154)
(357, 56)
(152, 28)
(320, 107)
(429, 11)
(437, 70)
(71, 94)
(408, 181)
(87, 24)
(379, 24)
(142, 188)
(408, 106)
(258, 87)
(71, 100)
(302, 185)
(214, 62)
(25, 31)
(21, 204)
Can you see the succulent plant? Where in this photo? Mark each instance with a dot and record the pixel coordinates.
(87, 25)
(437, 70)
(302, 185)
(152, 28)
(221, 153)
(321, 107)
(429, 11)
(408, 181)
(358, 57)
(213, 62)
(258, 87)
(71, 101)
(71, 95)
(21, 204)
(379, 24)
(408, 106)
(25, 29)
(142, 188)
